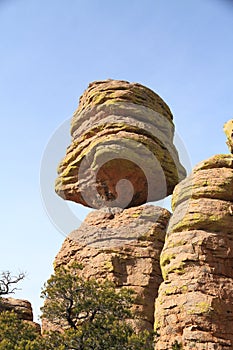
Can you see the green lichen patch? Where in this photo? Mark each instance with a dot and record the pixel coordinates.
(203, 307)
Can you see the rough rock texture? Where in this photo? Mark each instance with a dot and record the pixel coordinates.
(22, 308)
(122, 151)
(123, 246)
(228, 129)
(195, 304)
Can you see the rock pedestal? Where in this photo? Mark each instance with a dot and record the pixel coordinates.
(123, 246)
(194, 308)
(122, 151)
(122, 156)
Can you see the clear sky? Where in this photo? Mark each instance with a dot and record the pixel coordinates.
(51, 50)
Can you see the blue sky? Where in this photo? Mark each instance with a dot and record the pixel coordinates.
(51, 50)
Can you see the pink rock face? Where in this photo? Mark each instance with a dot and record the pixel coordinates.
(194, 308)
(123, 246)
(122, 151)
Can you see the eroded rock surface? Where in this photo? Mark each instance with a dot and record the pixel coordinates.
(228, 129)
(194, 308)
(123, 246)
(122, 151)
(22, 308)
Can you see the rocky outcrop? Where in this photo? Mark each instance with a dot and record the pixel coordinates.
(22, 308)
(194, 308)
(122, 151)
(122, 156)
(123, 246)
(228, 129)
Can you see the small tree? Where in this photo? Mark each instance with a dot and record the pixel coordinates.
(15, 334)
(92, 315)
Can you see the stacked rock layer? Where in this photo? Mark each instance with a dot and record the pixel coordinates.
(123, 246)
(22, 309)
(194, 309)
(122, 151)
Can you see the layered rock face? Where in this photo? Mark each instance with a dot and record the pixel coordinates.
(122, 156)
(123, 246)
(122, 151)
(194, 309)
(22, 308)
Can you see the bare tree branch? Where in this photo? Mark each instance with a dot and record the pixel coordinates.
(8, 282)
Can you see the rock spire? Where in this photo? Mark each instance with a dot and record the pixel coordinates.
(194, 308)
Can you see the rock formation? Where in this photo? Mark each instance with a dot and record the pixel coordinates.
(22, 308)
(194, 309)
(123, 246)
(122, 151)
(228, 129)
(122, 156)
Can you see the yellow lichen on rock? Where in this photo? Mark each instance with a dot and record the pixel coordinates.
(228, 129)
(122, 152)
(195, 301)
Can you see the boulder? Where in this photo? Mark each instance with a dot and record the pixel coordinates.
(21, 307)
(122, 151)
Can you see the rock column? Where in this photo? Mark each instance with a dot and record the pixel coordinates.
(194, 309)
(122, 246)
(121, 156)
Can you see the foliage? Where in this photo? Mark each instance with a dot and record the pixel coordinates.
(177, 346)
(16, 334)
(93, 314)
(72, 340)
(89, 315)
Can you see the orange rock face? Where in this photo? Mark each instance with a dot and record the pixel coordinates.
(123, 246)
(194, 308)
(122, 151)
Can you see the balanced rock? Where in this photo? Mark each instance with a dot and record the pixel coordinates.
(122, 246)
(122, 151)
(194, 308)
